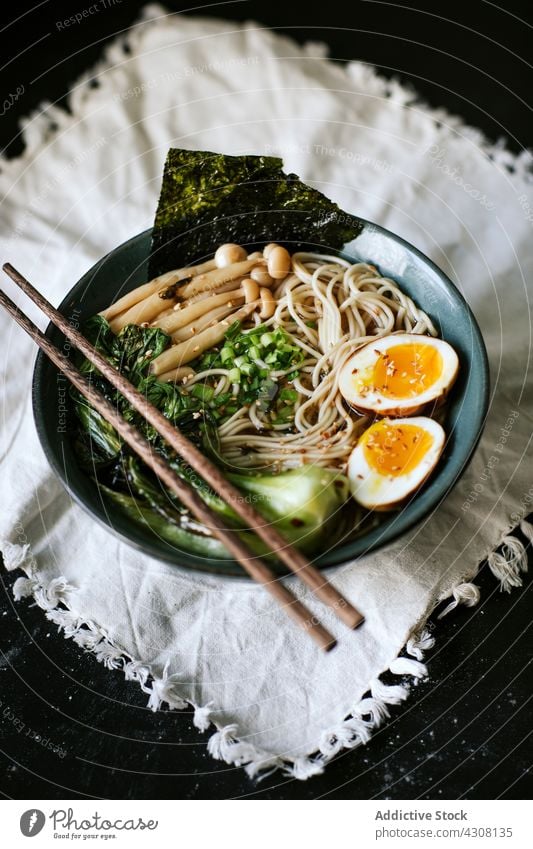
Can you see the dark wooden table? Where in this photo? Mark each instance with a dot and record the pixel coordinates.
(71, 728)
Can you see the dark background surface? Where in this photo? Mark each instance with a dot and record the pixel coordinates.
(464, 732)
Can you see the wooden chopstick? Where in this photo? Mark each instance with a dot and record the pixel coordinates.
(255, 567)
(292, 558)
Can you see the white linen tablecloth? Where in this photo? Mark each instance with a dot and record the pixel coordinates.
(89, 180)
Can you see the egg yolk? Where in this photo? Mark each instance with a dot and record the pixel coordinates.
(403, 371)
(395, 449)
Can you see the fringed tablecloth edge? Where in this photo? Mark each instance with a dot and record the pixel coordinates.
(507, 561)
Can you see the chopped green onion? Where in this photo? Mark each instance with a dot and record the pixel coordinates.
(254, 353)
(290, 395)
(202, 391)
(234, 375)
(227, 353)
(250, 357)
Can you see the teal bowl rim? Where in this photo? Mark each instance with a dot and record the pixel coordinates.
(420, 507)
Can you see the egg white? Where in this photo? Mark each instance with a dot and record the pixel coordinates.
(377, 491)
(363, 361)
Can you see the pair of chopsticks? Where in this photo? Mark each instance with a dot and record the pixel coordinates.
(253, 565)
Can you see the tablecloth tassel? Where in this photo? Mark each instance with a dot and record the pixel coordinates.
(376, 709)
(408, 666)
(418, 644)
(202, 716)
(136, 671)
(304, 768)
(392, 694)
(24, 587)
(55, 592)
(224, 745)
(467, 594)
(508, 562)
(162, 690)
(15, 556)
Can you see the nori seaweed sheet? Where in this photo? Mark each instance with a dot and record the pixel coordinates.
(209, 198)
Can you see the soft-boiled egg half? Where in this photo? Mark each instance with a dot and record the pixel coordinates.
(397, 375)
(392, 459)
